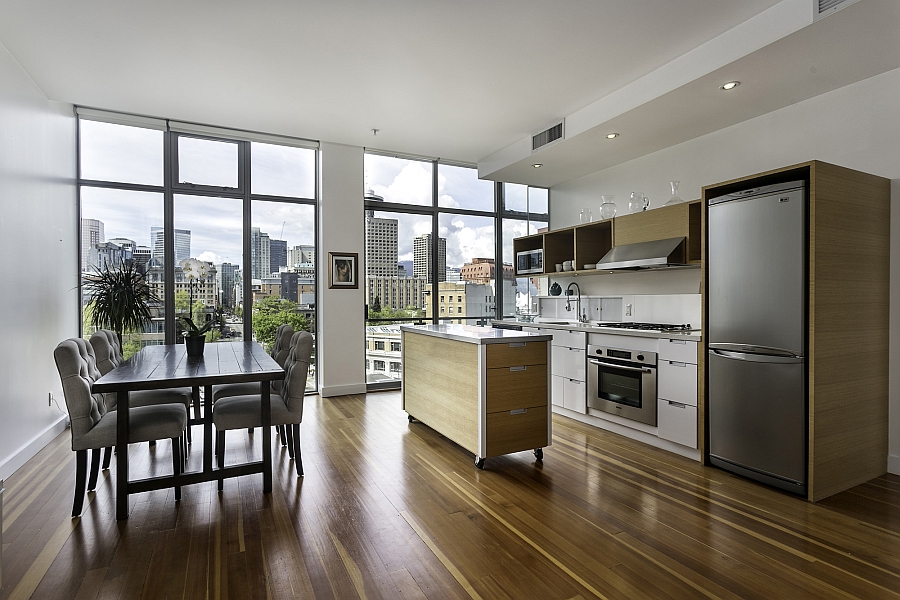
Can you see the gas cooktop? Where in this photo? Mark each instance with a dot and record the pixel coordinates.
(647, 326)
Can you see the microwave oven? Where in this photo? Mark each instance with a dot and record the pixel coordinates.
(530, 261)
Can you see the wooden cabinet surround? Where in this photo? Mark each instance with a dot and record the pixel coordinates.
(588, 243)
(849, 258)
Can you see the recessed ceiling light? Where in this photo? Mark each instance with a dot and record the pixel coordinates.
(612, 136)
(537, 165)
(731, 85)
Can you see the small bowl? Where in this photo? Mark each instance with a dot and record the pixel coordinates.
(588, 267)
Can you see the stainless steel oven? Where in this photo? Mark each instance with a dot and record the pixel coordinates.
(622, 382)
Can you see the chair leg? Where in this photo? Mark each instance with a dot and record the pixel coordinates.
(189, 440)
(80, 477)
(250, 430)
(107, 457)
(290, 440)
(298, 462)
(151, 443)
(220, 455)
(283, 435)
(177, 467)
(95, 468)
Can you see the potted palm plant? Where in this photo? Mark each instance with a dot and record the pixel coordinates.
(194, 271)
(121, 299)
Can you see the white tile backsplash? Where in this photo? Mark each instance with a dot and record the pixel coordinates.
(663, 308)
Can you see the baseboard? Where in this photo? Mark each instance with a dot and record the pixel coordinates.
(26, 452)
(329, 391)
(894, 464)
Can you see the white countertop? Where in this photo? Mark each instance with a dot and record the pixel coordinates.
(587, 327)
(476, 335)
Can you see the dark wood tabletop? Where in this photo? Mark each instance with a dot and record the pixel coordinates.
(159, 367)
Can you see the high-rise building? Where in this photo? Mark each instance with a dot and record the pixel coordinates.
(259, 254)
(395, 292)
(91, 234)
(381, 243)
(289, 283)
(277, 255)
(141, 257)
(107, 254)
(297, 255)
(225, 282)
(182, 244)
(422, 258)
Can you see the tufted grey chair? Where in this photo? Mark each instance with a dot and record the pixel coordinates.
(280, 350)
(237, 412)
(94, 427)
(109, 356)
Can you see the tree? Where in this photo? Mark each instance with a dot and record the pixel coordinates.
(270, 312)
(376, 305)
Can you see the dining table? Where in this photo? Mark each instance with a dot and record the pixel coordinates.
(169, 366)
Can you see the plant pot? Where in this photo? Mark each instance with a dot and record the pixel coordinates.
(194, 345)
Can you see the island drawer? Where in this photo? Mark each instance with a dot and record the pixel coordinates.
(516, 387)
(516, 354)
(523, 429)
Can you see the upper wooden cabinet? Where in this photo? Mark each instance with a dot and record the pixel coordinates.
(661, 224)
(587, 244)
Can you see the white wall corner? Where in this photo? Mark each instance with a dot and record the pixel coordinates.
(341, 318)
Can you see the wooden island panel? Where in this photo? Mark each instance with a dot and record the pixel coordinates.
(440, 386)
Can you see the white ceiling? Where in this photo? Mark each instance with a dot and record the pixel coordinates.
(458, 79)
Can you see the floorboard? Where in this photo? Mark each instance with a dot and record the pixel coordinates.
(391, 509)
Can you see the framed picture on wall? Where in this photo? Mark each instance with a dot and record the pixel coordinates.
(343, 270)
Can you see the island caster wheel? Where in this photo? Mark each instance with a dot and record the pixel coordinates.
(539, 453)
(411, 418)
(479, 462)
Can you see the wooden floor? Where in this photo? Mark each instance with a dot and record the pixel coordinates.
(390, 509)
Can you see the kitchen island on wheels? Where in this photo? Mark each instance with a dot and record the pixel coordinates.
(484, 389)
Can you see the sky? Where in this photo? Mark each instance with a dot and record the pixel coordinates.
(135, 155)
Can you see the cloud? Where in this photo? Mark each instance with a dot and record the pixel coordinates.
(211, 257)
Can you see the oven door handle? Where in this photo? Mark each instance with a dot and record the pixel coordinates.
(603, 364)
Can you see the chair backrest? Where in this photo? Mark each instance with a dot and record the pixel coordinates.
(77, 368)
(296, 368)
(107, 350)
(280, 351)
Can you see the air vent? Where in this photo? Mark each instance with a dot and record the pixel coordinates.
(823, 8)
(548, 136)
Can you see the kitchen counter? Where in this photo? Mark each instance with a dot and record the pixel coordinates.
(486, 389)
(693, 336)
(476, 335)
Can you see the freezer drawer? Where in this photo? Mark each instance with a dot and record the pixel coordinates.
(758, 416)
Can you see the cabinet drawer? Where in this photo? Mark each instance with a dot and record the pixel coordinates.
(567, 362)
(677, 423)
(512, 432)
(558, 390)
(678, 350)
(570, 339)
(516, 387)
(573, 396)
(514, 354)
(677, 381)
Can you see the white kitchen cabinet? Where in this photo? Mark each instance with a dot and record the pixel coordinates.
(677, 381)
(678, 350)
(557, 390)
(567, 362)
(677, 423)
(574, 395)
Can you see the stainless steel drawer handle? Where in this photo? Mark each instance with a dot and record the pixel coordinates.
(677, 364)
(517, 344)
(677, 404)
(678, 341)
(517, 368)
(518, 411)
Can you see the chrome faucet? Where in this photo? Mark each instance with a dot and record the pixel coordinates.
(581, 318)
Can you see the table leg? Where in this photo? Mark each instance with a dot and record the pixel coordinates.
(207, 430)
(267, 436)
(122, 415)
(195, 398)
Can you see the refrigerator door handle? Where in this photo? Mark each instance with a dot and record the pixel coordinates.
(753, 357)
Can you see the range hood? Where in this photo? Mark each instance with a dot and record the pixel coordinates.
(658, 254)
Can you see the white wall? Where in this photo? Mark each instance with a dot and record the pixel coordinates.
(38, 246)
(341, 360)
(857, 126)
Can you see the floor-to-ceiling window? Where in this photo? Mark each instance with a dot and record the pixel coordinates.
(433, 253)
(525, 211)
(154, 195)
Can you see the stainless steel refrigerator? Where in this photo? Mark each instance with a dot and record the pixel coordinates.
(757, 331)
